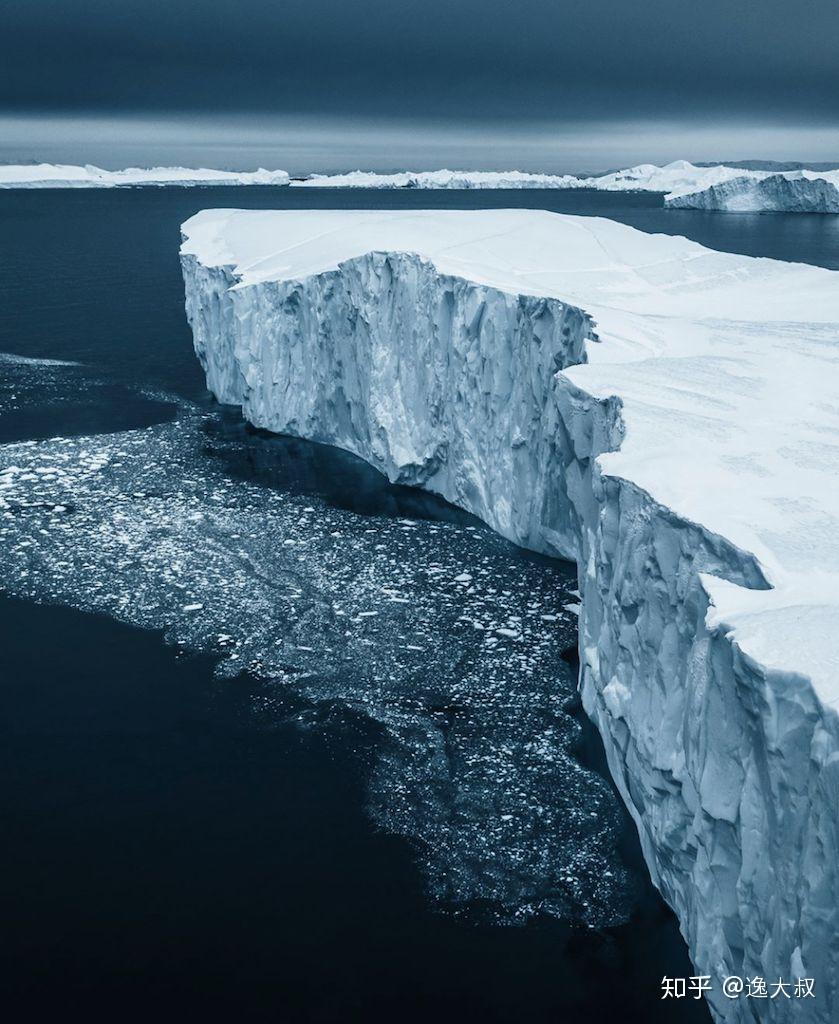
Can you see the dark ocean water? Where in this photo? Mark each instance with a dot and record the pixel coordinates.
(245, 809)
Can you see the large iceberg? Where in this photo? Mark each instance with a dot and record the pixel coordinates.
(664, 414)
(71, 176)
(796, 192)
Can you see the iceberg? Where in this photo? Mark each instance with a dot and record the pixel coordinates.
(438, 179)
(676, 176)
(664, 414)
(679, 178)
(70, 176)
(686, 185)
(796, 192)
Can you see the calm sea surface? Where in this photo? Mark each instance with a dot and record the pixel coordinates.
(281, 741)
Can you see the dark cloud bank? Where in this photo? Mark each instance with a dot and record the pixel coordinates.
(554, 85)
(478, 58)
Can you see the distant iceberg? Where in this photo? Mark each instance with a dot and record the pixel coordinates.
(677, 178)
(439, 179)
(756, 192)
(685, 185)
(644, 178)
(71, 176)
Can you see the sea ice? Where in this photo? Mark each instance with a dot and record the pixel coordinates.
(192, 528)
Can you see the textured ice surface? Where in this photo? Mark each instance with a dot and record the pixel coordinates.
(690, 464)
(442, 634)
(793, 192)
(70, 176)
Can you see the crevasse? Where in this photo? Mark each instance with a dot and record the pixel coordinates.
(729, 769)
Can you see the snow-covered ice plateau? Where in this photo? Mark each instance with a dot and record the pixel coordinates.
(666, 415)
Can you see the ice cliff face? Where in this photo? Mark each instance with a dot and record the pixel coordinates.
(789, 193)
(678, 459)
(388, 396)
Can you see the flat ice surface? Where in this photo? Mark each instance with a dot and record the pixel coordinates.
(71, 176)
(727, 367)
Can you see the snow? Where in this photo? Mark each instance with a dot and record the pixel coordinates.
(676, 176)
(70, 176)
(689, 461)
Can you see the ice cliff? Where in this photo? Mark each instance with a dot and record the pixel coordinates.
(71, 176)
(664, 414)
(796, 192)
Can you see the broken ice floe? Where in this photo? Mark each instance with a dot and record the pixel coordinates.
(441, 633)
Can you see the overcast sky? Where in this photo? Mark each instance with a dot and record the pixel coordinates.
(492, 66)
